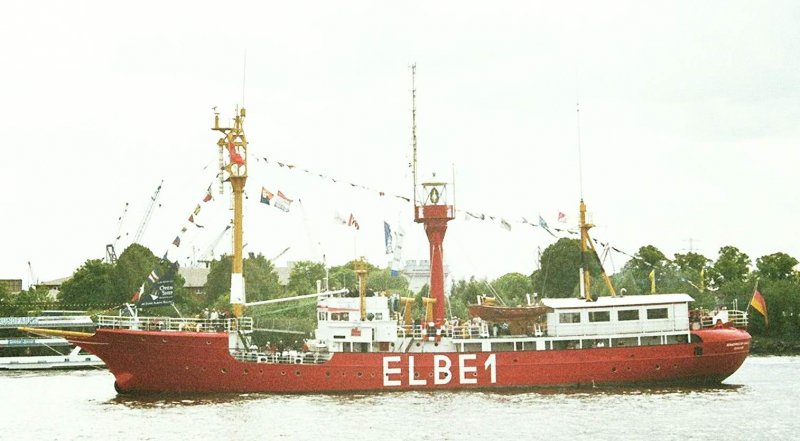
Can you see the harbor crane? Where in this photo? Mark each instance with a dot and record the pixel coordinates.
(147, 214)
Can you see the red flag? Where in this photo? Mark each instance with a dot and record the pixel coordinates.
(236, 158)
(759, 304)
(562, 217)
(207, 197)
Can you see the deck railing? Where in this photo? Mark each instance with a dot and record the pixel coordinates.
(284, 357)
(175, 324)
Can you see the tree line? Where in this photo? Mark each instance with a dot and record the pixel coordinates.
(728, 280)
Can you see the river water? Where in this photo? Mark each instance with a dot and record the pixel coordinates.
(760, 401)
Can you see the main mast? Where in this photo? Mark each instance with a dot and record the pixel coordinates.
(234, 141)
(434, 213)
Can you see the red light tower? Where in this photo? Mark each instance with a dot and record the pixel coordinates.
(434, 214)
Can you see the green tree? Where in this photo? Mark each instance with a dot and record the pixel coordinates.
(691, 262)
(92, 284)
(557, 275)
(731, 265)
(303, 277)
(776, 266)
(5, 300)
(464, 293)
(512, 288)
(261, 281)
(31, 302)
(382, 280)
(131, 271)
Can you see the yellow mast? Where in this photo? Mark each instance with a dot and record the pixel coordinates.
(234, 141)
(361, 272)
(586, 245)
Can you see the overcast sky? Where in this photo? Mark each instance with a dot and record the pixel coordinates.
(688, 124)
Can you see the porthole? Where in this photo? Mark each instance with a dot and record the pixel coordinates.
(297, 373)
(246, 371)
(359, 375)
(614, 370)
(163, 340)
(224, 370)
(283, 372)
(328, 373)
(658, 367)
(474, 374)
(208, 342)
(416, 374)
(186, 367)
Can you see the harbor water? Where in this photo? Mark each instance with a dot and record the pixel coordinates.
(757, 402)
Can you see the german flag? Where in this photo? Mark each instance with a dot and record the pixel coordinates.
(759, 304)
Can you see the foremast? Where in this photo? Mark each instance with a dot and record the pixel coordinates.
(234, 141)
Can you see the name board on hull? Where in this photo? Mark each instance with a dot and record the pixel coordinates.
(445, 370)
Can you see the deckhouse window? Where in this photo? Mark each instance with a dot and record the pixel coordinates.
(339, 316)
(628, 315)
(657, 313)
(599, 316)
(322, 316)
(569, 317)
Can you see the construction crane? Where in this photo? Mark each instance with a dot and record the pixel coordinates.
(147, 214)
(209, 253)
(111, 253)
(34, 281)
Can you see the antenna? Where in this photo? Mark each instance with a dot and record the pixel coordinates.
(414, 130)
(580, 156)
(244, 75)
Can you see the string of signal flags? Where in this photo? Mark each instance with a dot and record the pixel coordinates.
(557, 232)
(280, 201)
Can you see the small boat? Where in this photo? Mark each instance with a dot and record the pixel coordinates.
(22, 351)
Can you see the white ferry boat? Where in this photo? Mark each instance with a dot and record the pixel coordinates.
(22, 351)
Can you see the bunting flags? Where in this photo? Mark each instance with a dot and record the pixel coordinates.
(396, 265)
(279, 201)
(153, 277)
(352, 222)
(208, 195)
(266, 196)
(137, 294)
(387, 237)
(380, 193)
(759, 304)
(562, 217)
(282, 202)
(542, 223)
(504, 223)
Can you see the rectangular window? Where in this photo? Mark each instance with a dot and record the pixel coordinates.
(599, 316)
(378, 316)
(503, 347)
(628, 315)
(322, 316)
(657, 313)
(339, 316)
(569, 317)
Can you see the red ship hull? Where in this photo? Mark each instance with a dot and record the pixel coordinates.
(200, 362)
